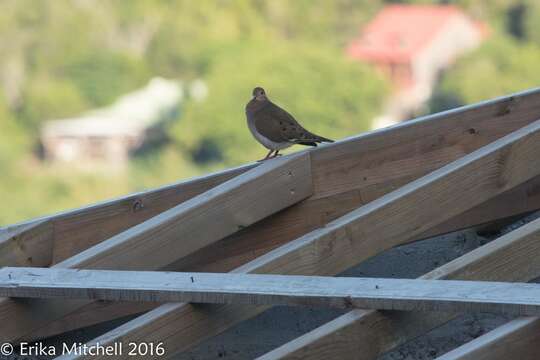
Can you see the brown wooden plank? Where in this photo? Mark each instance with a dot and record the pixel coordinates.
(70, 232)
(368, 334)
(372, 165)
(386, 222)
(28, 244)
(353, 172)
(239, 202)
(507, 298)
(77, 230)
(518, 339)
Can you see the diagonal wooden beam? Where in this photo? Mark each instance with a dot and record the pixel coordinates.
(525, 197)
(355, 171)
(388, 221)
(366, 335)
(347, 174)
(51, 239)
(78, 230)
(175, 233)
(28, 244)
(256, 289)
(395, 156)
(517, 339)
(390, 158)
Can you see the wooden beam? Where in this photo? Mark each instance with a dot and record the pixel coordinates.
(78, 230)
(388, 221)
(355, 171)
(369, 165)
(177, 232)
(48, 240)
(28, 244)
(368, 334)
(51, 239)
(520, 299)
(517, 339)
(391, 158)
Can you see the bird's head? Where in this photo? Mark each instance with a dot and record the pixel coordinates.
(259, 94)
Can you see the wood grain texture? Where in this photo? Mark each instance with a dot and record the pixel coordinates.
(518, 339)
(390, 220)
(506, 298)
(176, 232)
(368, 166)
(28, 244)
(76, 230)
(389, 158)
(368, 334)
(204, 219)
(230, 254)
(355, 171)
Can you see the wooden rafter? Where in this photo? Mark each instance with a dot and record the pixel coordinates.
(63, 235)
(366, 335)
(517, 339)
(388, 221)
(28, 244)
(175, 233)
(256, 289)
(346, 175)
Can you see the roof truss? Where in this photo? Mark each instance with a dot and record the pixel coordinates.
(351, 200)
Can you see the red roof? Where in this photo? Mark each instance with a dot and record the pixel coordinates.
(399, 32)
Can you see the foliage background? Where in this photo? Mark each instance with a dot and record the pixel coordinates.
(60, 58)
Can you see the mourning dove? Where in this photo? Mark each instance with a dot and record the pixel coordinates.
(274, 127)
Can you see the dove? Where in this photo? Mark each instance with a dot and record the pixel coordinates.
(274, 127)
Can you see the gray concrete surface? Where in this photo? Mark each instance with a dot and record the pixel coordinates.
(281, 324)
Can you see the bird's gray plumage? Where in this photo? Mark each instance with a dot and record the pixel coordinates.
(274, 127)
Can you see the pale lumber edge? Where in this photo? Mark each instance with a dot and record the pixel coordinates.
(368, 334)
(519, 299)
(386, 222)
(177, 232)
(517, 339)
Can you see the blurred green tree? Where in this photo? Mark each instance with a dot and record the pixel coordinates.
(103, 76)
(46, 99)
(500, 66)
(327, 93)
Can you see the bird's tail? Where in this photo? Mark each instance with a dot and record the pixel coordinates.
(318, 138)
(310, 139)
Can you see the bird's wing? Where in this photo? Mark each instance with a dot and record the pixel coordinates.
(281, 125)
(268, 126)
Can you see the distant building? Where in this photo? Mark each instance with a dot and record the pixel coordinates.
(411, 44)
(111, 134)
